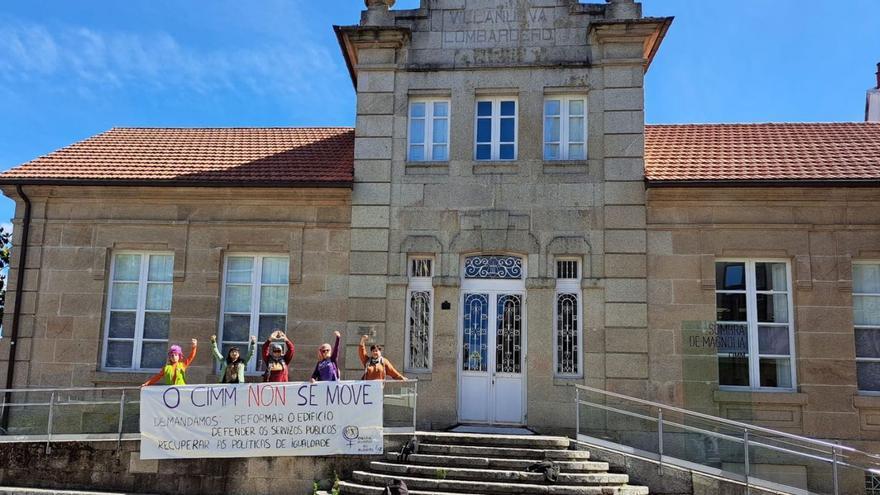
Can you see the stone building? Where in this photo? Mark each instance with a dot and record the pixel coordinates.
(500, 218)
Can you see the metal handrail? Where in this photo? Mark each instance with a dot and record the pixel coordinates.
(745, 426)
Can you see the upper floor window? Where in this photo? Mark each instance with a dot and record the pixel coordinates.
(866, 317)
(496, 129)
(568, 335)
(255, 295)
(754, 339)
(565, 130)
(419, 314)
(428, 130)
(139, 312)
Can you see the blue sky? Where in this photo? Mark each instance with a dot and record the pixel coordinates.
(69, 69)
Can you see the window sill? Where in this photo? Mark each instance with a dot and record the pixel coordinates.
(496, 167)
(567, 381)
(866, 400)
(125, 377)
(761, 396)
(422, 376)
(426, 168)
(566, 166)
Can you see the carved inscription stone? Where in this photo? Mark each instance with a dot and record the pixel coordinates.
(499, 27)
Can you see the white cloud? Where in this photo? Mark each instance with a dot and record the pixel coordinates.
(90, 61)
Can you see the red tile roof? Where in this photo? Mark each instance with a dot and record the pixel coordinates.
(800, 152)
(319, 156)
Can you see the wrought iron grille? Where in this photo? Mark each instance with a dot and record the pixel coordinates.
(476, 332)
(508, 334)
(419, 329)
(493, 267)
(567, 345)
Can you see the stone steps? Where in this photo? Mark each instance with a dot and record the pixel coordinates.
(496, 475)
(498, 463)
(519, 453)
(460, 464)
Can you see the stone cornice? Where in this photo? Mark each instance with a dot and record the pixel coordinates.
(649, 31)
(353, 38)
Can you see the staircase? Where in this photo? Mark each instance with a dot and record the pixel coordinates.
(454, 463)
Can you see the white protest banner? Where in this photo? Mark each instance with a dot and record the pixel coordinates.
(261, 419)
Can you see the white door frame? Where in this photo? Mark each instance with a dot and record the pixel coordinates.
(493, 287)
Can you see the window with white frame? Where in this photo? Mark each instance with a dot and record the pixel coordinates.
(565, 129)
(428, 130)
(568, 335)
(755, 340)
(496, 129)
(866, 317)
(139, 311)
(419, 314)
(255, 294)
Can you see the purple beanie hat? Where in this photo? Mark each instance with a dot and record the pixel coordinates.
(175, 349)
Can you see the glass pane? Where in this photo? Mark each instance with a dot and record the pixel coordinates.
(157, 325)
(238, 298)
(506, 152)
(121, 325)
(866, 279)
(236, 328)
(159, 297)
(484, 108)
(576, 152)
(733, 371)
(440, 153)
(508, 108)
(868, 342)
(484, 130)
(124, 296)
(866, 310)
(508, 334)
(127, 267)
(119, 354)
(551, 107)
(869, 375)
(484, 152)
(770, 276)
(440, 130)
(551, 130)
(733, 338)
(270, 323)
(775, 372)
(239, 269)
(730, 276)
(475, 332)
(161, 268)
(576, 107)
(441, 109)
(275, 270)
(730, 307)
(417, 131)
(551, 152)
(773, 340)
(417, 153)
(576, 129)
(273, 300)
(507, 130)
(153, 354)
(417, 110)
(772, 308)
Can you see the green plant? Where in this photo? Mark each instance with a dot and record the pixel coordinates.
(315, 488)
(335, 489)
(440, 473)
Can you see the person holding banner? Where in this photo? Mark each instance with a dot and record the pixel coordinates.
(174, 372)
(277, 360)
(375, 366)
(327, 370)
(232, 366)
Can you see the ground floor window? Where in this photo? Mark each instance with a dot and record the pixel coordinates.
(866, 317)
(755, 341)
(567, 355)
(419, 314)
(872, 484)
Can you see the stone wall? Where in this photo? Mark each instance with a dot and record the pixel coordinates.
(104, 466)
(75, 230)
(820, 231)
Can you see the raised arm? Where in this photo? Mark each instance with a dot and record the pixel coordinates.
(252, 347)
(362, 350)
(192, 353)
(288, 356)
(266, 345)
(335, 353)
(214, 351)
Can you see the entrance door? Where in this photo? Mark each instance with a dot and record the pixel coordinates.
(492, 353)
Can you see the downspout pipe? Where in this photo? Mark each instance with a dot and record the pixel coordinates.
(16, 311)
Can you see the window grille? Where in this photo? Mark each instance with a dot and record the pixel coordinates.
(567, 269)
(419, 314)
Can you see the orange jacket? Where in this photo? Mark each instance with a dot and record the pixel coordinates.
(377, 371)
(172, 372)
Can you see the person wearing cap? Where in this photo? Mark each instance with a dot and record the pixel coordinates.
(277, 360)
(232, 367)
(174, 372)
